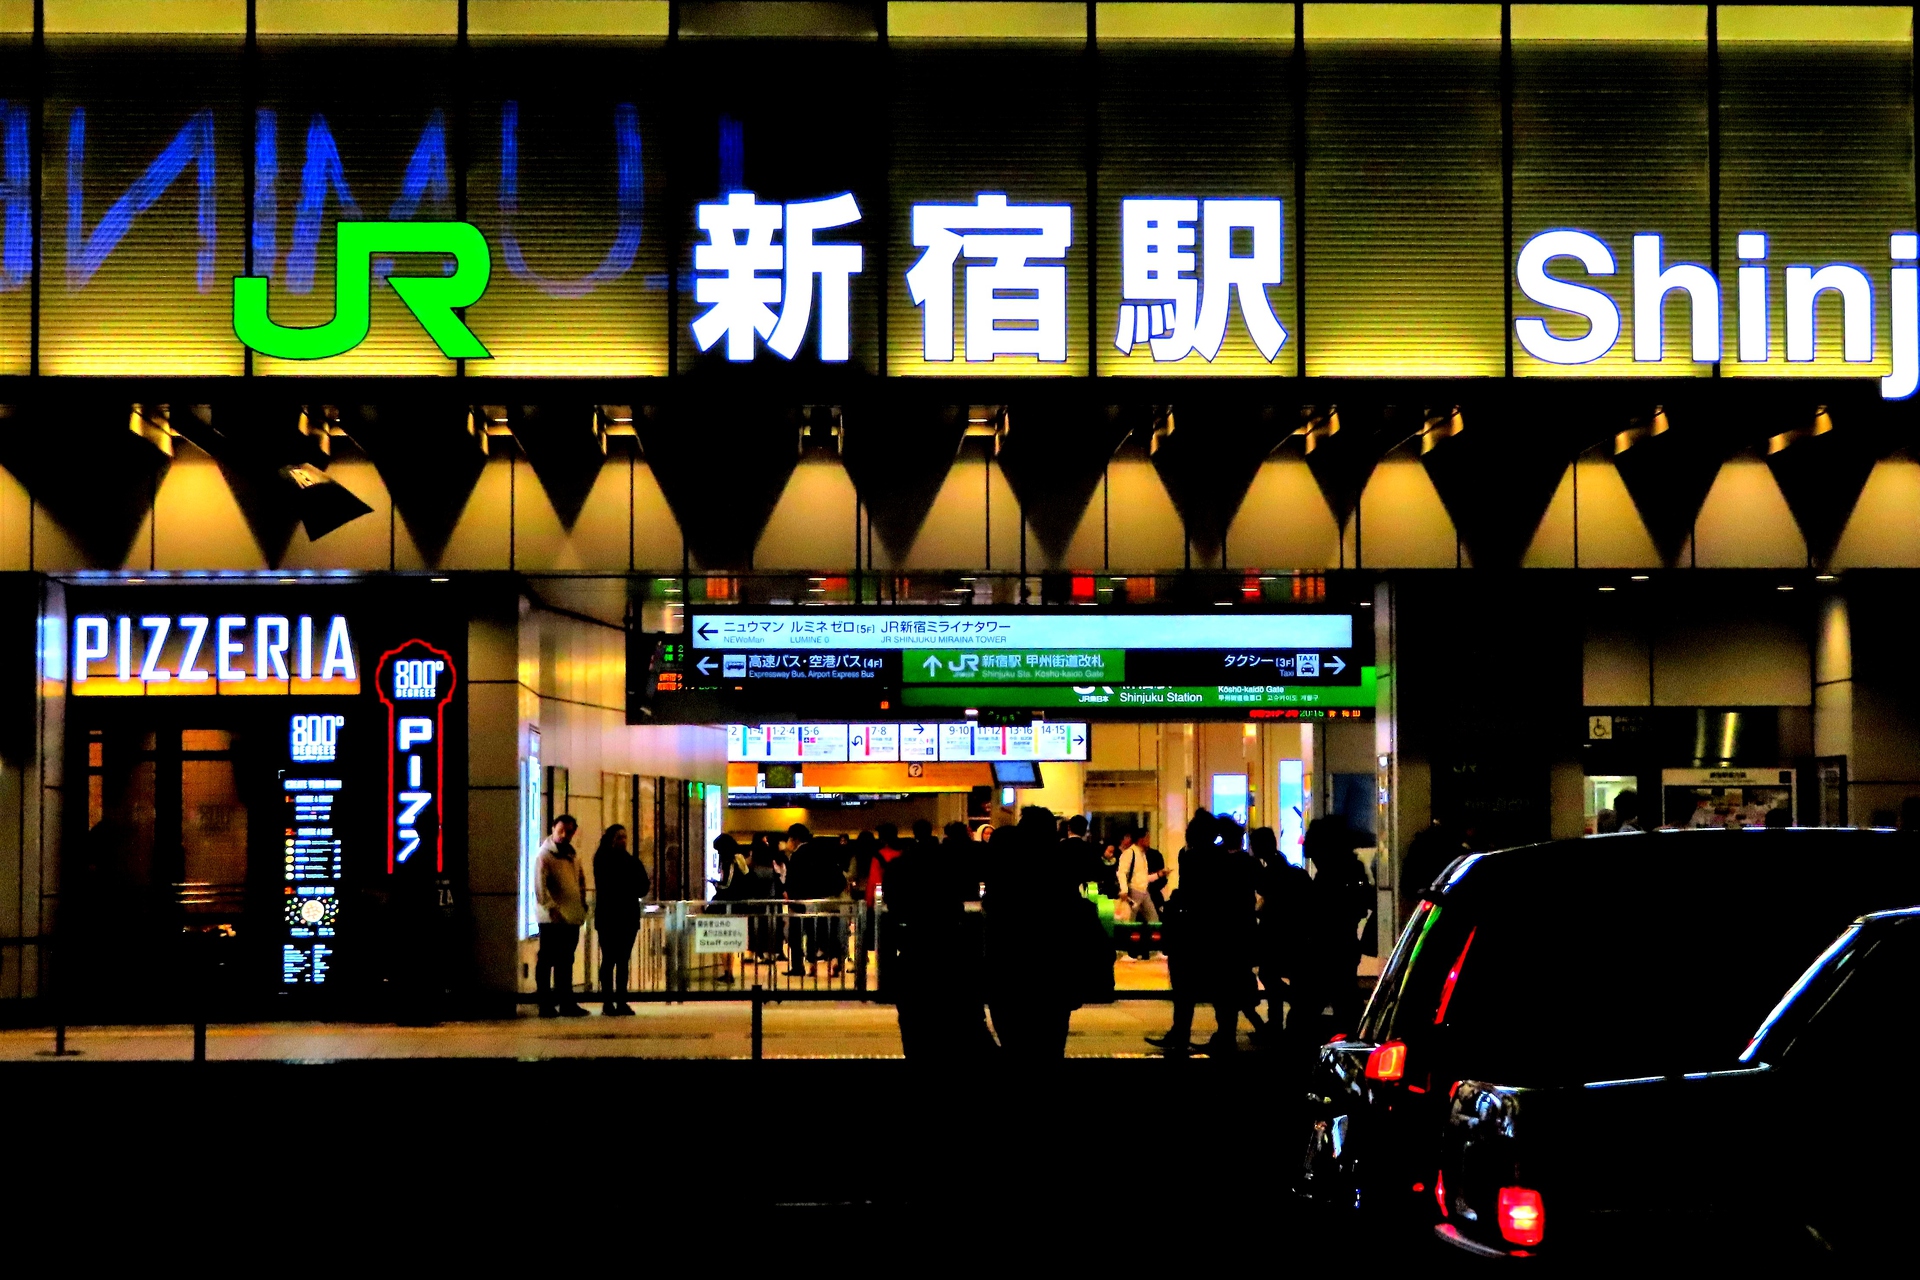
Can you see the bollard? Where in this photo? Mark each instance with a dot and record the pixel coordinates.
(759, 1004)
(58, 996)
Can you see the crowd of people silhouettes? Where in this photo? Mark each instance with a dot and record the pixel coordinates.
(987, 941)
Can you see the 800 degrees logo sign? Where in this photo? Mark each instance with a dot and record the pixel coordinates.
(416, 682)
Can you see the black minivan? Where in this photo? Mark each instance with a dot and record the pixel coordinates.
(1805, 1147)
(1579, 961)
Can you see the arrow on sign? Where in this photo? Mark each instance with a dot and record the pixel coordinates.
(932, 664)
(706, 631)
(704, 665)
(1334, 664)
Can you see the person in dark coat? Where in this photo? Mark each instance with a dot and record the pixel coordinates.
(1080, 851)
(1342, 898)
(929, 976)
(1036, 924)
(965, 860)
(1236, 925)
(963, 866)
(1284, 892)
(1198, 956)
(619, 883)
(815, 873)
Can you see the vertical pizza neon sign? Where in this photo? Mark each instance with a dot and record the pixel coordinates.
(416, 682)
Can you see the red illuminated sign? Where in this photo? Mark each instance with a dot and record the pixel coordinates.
(416, 682)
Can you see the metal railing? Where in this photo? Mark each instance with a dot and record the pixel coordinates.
(820, 950)
(823, 945)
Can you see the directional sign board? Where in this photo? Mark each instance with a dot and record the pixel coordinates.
(839, 664)
(1009, 629)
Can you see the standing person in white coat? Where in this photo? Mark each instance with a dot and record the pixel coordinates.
(1136, 876)
(560, 890)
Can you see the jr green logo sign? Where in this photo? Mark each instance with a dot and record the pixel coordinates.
(432, 299)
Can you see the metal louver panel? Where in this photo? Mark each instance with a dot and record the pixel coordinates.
(567, 181)
(1197, 119)
(389, 146)
(142, 225)
(1610, 137)
(1817, 151)
(978, 117)
(1404, 238)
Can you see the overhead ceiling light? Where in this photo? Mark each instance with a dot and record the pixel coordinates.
(1609, 588)
(1640, 577)
(1823, 577)
(1783, 587)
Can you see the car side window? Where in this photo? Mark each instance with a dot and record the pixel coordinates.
(1867, 1007)
(1416, 971)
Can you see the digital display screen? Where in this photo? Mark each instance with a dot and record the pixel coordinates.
(1016, 773)
(859, 743)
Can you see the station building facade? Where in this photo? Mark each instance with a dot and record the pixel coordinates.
(1570, 346)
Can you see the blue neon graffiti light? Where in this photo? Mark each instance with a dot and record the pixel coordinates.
(628, 200)
(88, 251)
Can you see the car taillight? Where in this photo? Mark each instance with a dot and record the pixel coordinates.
(1440, 1190)
(1388, 1062)
(1523, 1218)
(1336, 1037)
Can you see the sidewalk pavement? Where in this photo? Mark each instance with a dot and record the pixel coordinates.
(705, 1030)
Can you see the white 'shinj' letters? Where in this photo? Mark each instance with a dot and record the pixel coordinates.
(1653, 280)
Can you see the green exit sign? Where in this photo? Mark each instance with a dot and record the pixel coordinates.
(1022, 666)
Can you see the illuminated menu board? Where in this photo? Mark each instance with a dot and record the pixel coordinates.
(314, 858)
(313, 842)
